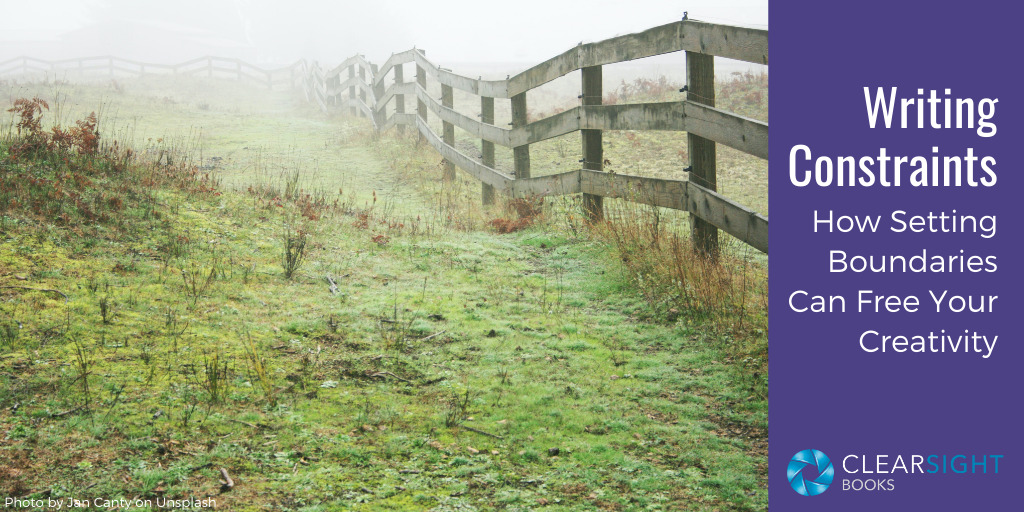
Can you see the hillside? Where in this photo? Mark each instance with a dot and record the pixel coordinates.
(308, 306)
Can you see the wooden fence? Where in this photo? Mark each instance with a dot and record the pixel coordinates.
(115, 67)
(365, 90)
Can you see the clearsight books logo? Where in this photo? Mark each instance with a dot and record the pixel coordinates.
(810, 472)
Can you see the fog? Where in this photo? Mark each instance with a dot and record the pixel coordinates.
(275, 33)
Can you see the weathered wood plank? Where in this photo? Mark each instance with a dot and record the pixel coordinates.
(638, 189)
(421, 83)
(543, 129)
(729, 216)
(740, 43)
(399, 120)
(553, 185)
(546, 71)
(591, 140)
(447, 128)
(486, 148)
(484, 131)
(396, 90)
(735, 219)
(496, 179)
(380, 107)
(29, 68)
(313, 78)
(355, 60)
(700, 77)
(364, 90)
(492, 88)
(105, 62)
(19, 60)
(396, 59)
(351, 82)
(735, 131)
(640, 116)
(520, 154)
(742, 133)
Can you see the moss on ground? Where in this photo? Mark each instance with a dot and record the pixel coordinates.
(452, 369)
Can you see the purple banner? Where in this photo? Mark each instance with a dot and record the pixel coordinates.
(895, 189)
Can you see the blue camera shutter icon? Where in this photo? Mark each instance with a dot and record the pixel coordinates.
(810, 472)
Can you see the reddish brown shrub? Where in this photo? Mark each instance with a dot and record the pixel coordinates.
(503, 225)
(526, 210)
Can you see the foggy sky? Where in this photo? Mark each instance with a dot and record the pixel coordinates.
(274, 32)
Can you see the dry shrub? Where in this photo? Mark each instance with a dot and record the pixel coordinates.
(526, 207)
(729, 293)
(83, 138)
(313, 205)
(504, 225)
(66, 175)
(526, 210)
(727, 297)
(293, 242)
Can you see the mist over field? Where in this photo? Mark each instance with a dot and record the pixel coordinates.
(274, 33)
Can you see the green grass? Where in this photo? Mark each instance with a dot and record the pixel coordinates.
(455, 369)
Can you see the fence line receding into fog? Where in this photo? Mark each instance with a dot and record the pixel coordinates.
(367, 90)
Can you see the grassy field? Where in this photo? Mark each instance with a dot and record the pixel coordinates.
(150, 335)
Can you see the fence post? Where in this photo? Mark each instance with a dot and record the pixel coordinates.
(700, 78)
(520, 154)
(378, 93)
(487, 147)
(448, 129)
(593, 150)
(335, 98)
(362, 78)
(421, 81)
(399, 98)
(351, 90)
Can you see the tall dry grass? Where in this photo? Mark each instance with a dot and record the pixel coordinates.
(727, 296)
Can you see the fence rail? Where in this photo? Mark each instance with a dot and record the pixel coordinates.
(115, 67)
(705, 125)
(366, 90)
